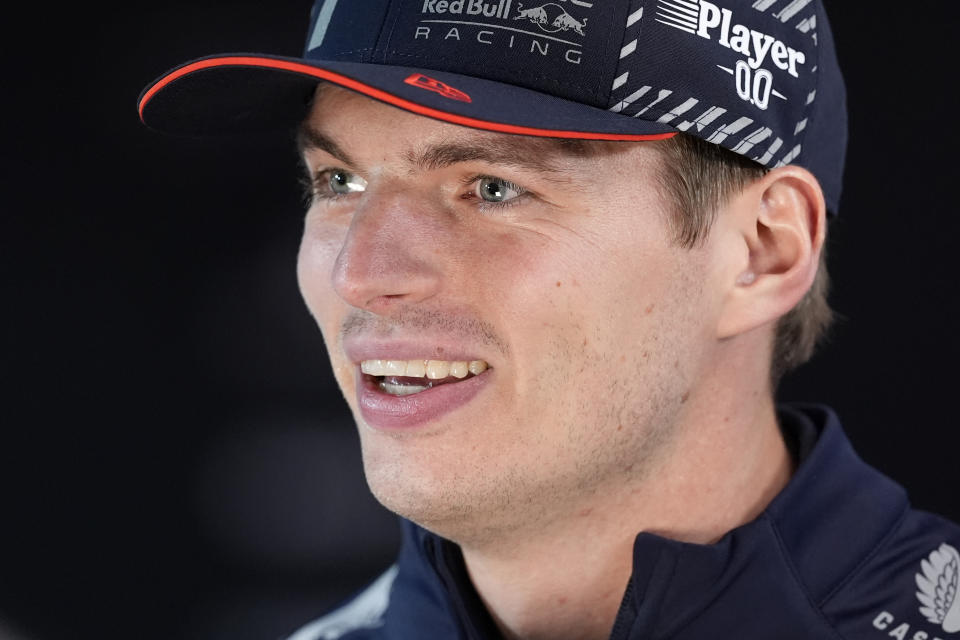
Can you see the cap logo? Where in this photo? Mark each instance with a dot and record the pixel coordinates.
(754, 83)
(431, 84)
(551, 18)
(513, 28)
(476, 8)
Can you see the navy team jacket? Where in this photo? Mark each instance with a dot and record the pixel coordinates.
(839, 553)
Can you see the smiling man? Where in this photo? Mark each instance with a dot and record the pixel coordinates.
(558, 291)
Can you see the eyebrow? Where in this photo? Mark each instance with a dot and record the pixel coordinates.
(309, 139)
(540, 155)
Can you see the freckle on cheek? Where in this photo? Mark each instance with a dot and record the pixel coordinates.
(559, 283)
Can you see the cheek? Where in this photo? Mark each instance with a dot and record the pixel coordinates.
(588, 309)
(569, 284)
(319, 247)
(318, 252)
(527, 282)
(545, 292)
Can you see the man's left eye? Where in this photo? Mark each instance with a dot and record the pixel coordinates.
(497, 190)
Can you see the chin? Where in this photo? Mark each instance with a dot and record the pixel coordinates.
(426, 506)
(443, 499)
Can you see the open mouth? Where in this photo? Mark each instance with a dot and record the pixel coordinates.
(409, 377)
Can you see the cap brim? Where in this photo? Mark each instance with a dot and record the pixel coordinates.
(251, 92)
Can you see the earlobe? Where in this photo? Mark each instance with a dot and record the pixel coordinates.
(781, 222)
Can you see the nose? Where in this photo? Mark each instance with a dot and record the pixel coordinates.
(389, 257)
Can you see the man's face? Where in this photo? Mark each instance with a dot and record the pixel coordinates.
(553, 266)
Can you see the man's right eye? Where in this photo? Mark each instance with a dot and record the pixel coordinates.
(333, 183)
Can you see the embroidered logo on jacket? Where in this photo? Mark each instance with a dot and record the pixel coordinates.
(939, 583)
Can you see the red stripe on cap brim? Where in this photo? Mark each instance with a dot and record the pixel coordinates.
(373, 92)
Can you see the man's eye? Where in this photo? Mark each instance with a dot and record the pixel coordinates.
(343, 182)
(496, 190)
(333, 183)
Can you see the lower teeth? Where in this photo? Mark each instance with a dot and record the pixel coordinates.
(402, 389)
(407, 386)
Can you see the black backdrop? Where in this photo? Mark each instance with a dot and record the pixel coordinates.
(176, 462)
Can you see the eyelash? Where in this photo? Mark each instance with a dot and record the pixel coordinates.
(306, 190)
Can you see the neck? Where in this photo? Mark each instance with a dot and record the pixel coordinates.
(567, 580)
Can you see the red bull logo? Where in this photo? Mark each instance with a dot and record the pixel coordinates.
(502, 25)
(499, 9)
(551, 18)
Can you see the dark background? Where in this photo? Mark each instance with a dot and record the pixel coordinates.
(176, 461)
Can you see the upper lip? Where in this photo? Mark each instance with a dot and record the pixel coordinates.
(360, 348)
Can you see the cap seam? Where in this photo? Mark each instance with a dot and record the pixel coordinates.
(346, 53)
(607, 52)
(396, 18)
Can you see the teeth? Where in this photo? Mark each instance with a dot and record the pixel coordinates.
(432, 369)
(402, 389)
(476, 367)
(372, 367)
(416, 368)
(394, 367)
(438, 369)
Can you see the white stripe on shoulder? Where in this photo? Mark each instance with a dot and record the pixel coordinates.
(363, 612)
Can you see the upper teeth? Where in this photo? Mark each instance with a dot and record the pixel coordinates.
(432, 369)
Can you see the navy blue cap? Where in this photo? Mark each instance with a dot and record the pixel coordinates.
(759, 77)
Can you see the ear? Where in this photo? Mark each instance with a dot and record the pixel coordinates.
(774, 232)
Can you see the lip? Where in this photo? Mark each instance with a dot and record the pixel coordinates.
(385, 412)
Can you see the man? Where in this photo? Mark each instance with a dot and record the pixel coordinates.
(561, 256)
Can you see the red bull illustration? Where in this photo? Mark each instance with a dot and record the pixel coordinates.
(551, 18)
(536, 15)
